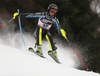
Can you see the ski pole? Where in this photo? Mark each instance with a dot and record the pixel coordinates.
(14, 16)
(64, 35)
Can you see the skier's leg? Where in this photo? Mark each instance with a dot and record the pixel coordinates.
(39, 40)
(51, 44)
(39, 36)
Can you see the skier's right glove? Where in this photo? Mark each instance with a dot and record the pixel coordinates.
(15, 15)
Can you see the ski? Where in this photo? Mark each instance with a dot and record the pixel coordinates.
(49, 53)
(53, 57)
(32, 50)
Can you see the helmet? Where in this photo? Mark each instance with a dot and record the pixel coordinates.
(52, 6)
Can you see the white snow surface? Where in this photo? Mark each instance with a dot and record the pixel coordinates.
(16, 62)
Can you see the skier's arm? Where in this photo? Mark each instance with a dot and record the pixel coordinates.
(59, 29)
(57, 24)
(32, 15)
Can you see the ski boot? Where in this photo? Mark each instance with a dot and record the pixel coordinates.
(30, 49)
(54, 53)
(39, 50)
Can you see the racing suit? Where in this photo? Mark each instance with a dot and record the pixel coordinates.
(44, 24)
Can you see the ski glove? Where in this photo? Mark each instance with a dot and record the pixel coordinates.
(63, 33)
(15, 15)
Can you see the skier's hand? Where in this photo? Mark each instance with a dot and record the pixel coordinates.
(63, 33)
(15, 15)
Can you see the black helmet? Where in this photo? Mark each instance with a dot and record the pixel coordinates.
(52, 6)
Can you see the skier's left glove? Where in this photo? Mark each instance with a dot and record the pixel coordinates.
(63, 33)
(15, 15)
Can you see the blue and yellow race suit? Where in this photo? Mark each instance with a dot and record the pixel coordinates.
(44, 24)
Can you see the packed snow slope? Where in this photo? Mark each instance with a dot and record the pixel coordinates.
(15, 62)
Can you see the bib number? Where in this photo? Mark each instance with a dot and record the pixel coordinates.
(45, 26)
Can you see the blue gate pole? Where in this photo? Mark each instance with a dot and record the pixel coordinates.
(21, 29)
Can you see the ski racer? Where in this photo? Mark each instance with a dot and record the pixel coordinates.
(46, 20)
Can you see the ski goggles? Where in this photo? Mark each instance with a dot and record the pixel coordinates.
(52, 10)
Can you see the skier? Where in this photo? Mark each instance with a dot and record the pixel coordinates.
(46, 20)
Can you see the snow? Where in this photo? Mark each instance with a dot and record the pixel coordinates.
(17, 62)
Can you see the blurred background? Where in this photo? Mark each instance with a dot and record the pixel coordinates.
(79, 18)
